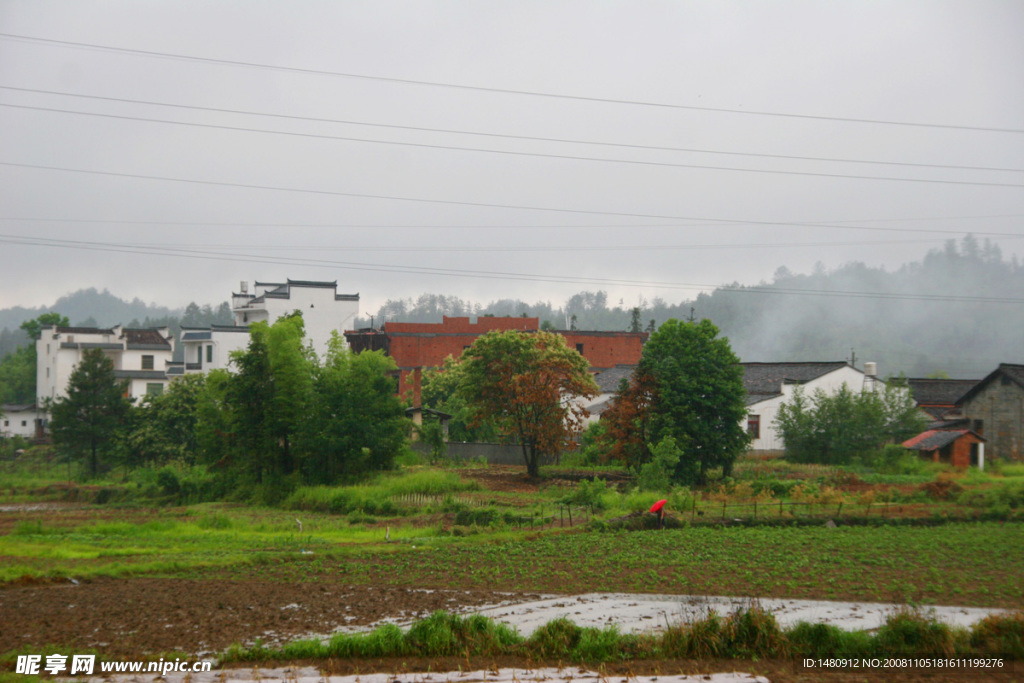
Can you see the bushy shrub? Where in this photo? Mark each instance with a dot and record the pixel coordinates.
(1000, 634)
(911, 632)
(753, 632)
(556, 639)
(657, 474)
(589, 494)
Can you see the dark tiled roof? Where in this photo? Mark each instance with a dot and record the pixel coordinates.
(766, 379)
(8, 408)
(609, 380)
(84, 330)
(313, 283)
(934, 439)
(147, 336)
(939, 392)
(951, 423)
(1014, 373)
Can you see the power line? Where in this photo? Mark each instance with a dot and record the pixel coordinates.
(499, 275)
(567, 157)
(449, 202)
(503, 91)
(477, 226)
(532, 138)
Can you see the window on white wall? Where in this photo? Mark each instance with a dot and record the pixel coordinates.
(754, 426)
(147, 362)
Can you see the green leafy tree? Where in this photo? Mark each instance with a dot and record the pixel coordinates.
(18, 376)
(440, 391)
(249, 400)
(164, 426)
(838, 428)
(357, 424)
(698, 396)
(529, 386)
(657, 474)
(215, 426)
(33, 328)
(87, 419)
(18, 369)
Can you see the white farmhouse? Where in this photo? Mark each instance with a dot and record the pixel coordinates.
(608, 381)
(323, 312)
(140, 356)
(209, 348)
(769, 385)
(17, 419)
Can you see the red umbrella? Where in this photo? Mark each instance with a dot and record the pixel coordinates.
(657, 506)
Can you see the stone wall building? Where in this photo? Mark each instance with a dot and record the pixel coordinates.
(994, 408)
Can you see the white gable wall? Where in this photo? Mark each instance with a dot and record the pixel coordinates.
(19, 422)
(322, 312)
(214, 353)
(768, 410)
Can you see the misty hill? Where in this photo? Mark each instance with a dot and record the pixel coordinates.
(92, 308)
(89, 307)
(959, 310)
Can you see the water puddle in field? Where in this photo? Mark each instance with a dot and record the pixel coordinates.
(634, 613)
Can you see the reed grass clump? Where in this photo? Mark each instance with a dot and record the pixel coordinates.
(749, 633)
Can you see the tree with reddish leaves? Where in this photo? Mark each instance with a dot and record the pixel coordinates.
(529, 385)
(627, 421)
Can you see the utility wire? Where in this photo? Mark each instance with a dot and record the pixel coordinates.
(463, 248)
(449, 202)
(518, 226)
(451, 272)
(532, 138)
(567, 157)
(503, 91)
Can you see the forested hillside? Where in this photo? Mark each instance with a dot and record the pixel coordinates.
(959, 310)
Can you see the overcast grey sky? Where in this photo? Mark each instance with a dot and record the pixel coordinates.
(169, 150)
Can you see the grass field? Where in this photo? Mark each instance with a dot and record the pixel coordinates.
(955, 563)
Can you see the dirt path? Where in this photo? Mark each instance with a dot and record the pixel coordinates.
(132, 617)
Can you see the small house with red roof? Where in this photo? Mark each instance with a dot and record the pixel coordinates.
(956, 447)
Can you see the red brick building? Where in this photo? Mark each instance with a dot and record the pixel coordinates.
(956, 447)
(416, 346)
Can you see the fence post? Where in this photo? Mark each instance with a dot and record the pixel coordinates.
(839, 510)
(755, 509)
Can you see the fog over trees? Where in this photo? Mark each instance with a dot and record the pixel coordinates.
(959, 310)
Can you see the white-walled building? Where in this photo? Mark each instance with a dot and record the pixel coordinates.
(23, 420)
(769, 385)
(140, 356)
(210, 348)
(323, 311)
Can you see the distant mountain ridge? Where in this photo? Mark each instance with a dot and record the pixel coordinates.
(90, 306)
